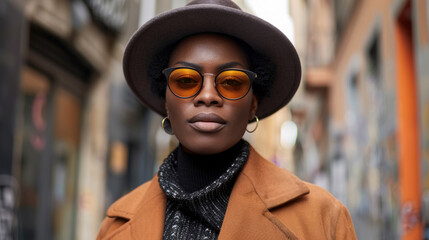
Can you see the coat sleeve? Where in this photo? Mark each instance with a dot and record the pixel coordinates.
(344, 228)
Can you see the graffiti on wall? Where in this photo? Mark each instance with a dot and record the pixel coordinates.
(370, 147)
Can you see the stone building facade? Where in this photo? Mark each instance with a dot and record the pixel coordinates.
(59, 61)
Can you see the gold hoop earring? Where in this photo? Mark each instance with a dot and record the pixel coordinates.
(166, 126)
(257, 123)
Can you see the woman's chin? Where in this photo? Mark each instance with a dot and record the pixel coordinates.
(205, 147)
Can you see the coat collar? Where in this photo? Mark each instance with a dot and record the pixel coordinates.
(275, 186)
(260, 186)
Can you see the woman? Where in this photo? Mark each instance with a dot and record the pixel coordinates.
(210, 69)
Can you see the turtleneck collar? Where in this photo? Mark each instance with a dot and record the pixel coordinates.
(169, 177)
(192, 211)
(195, 172)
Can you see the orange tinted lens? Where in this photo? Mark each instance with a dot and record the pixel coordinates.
(233, 84)
(185, 82)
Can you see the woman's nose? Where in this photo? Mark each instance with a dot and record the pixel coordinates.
(208, 94)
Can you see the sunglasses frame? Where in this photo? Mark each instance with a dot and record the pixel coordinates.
(167, 72)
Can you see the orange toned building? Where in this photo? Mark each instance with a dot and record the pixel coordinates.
(375, 83)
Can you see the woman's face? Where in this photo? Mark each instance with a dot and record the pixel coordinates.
(208, 123)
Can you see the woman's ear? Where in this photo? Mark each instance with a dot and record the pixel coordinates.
(166, 107)
(253, 107)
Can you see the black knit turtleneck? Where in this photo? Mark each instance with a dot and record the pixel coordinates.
(197, 190)
(197, 171)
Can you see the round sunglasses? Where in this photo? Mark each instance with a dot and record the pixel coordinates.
(231, 83)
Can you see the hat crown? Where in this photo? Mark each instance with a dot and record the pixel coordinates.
(141, 56)
(224, 3)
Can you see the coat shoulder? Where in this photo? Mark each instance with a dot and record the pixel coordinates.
(322, 196)
(320, 210)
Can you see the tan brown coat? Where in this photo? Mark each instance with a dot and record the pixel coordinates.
(266, 203)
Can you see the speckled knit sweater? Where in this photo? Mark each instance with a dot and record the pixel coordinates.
(198, 214)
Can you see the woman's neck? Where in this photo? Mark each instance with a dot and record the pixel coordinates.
(198, 171)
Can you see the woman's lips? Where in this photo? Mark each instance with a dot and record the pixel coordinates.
(207, 122)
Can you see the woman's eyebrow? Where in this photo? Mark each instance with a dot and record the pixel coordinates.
(230, 65)
(188, 64)
(219, 68)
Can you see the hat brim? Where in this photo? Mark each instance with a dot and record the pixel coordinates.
(169, 27)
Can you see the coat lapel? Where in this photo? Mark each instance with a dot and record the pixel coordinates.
(261, 186)
(145, 221)
(149, 220)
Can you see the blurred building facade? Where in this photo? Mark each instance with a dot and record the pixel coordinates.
(362, 111)
(60, 65)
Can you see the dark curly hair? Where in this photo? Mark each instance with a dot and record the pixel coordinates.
(259, 64)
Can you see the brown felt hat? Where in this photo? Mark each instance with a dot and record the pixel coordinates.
(212, 16)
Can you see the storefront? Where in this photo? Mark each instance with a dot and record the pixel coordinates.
(51, 97)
